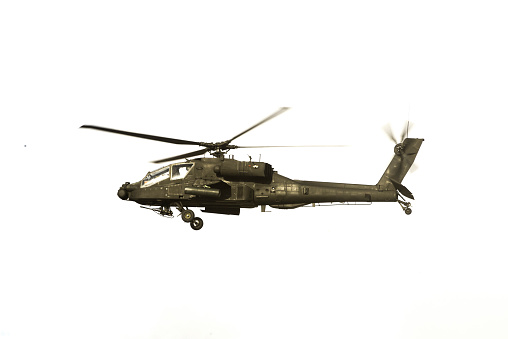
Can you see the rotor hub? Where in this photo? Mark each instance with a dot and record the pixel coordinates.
(398, 149)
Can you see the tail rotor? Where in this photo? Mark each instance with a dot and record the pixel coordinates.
(405, 150)
(398, 148)
(403, 135)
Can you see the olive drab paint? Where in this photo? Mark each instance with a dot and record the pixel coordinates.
(225, 186)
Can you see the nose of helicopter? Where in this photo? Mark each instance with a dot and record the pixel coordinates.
(122, 194)
(124, 191)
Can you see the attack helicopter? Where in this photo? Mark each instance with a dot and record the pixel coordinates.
(225, 185)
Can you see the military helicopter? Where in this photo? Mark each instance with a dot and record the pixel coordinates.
(225, 185)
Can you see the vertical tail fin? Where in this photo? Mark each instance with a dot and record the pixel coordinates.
(405, 154)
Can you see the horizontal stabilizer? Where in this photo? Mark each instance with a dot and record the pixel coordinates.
(402, 189)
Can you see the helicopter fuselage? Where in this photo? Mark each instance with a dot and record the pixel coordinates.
(224, 186)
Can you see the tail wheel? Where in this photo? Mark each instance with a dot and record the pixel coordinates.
(187, 215)
(406, 206)
(196, 224)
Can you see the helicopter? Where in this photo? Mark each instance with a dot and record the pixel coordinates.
(224, 185)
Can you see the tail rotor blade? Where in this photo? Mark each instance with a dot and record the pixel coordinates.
(389, 133)
(413, 168)
(402, 135)
(405, 133)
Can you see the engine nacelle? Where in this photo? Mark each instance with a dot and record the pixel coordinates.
(244, 169)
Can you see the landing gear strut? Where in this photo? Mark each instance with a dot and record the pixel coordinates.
(406, 206)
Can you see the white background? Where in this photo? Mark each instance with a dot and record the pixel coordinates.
(77, 262)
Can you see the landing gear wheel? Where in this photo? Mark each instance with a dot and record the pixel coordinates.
(196, 224)
(187, 215)
(405, 206)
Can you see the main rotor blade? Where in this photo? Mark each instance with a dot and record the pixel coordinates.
(182, 156)
(143, 136)
(293, 146)
(280, 111)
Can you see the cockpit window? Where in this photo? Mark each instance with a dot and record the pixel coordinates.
(156, 176)
(179, 171)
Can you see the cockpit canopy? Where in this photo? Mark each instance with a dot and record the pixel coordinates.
(173, 172)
